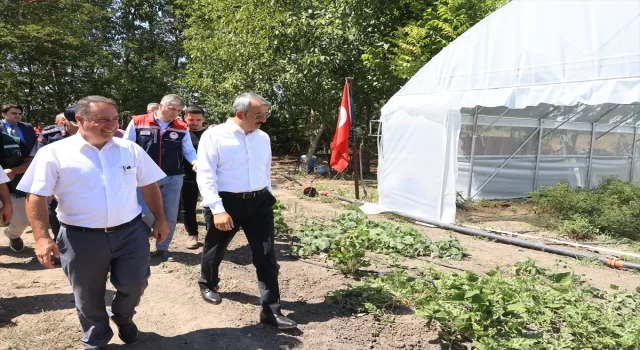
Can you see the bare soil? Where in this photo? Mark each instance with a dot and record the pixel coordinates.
(37, 309)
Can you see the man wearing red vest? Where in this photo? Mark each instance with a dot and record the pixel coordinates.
(167, 140)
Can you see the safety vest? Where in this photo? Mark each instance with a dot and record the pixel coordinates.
(165, 149)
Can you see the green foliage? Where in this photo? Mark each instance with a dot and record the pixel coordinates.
(55, 52)
(440, 24)
(348, 254)
(280, 225)
(533, 309)
(382, 294)
(612, 208)
(349, 235)
(578, 227)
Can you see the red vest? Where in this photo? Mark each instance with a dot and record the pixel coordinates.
(165, 149)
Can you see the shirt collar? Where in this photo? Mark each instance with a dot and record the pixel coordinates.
(236, 128)
(78, 140)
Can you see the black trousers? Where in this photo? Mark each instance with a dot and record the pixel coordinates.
(255, 217)
(54, 223)
(188, 203)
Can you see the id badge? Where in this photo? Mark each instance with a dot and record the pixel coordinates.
(145, 132)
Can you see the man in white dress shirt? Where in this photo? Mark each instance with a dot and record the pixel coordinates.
(94, 177)
(234, 178)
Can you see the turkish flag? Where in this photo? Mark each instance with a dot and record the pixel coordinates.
(340, 143)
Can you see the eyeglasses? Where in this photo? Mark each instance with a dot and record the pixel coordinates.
(260, 115)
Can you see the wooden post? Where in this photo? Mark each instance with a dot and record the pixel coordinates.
(354, 145)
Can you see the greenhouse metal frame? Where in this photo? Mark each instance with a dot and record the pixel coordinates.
(546, 138)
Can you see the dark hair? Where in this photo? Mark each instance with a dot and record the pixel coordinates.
(194, 109)
(6, 108)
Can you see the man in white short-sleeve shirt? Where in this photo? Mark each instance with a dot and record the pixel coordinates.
(94, 177)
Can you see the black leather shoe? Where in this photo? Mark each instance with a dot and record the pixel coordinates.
(277, 320)
(128, 333)
(210, 296)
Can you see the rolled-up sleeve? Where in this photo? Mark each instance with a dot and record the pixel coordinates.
(147, 171)
(206, 177)
(187, 149)
(130, 132)
(42, 175)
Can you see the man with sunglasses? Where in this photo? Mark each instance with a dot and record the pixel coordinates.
(234, 178)
(167, 141)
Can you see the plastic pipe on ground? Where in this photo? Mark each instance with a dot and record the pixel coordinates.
(556, 241)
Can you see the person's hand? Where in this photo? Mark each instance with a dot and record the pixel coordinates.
(195, 167)
(223, 222)
(10, 173)
(6, 212)
(160, 230)
(44, 247)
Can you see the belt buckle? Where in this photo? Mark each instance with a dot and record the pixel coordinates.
(106, 229)
(248, 195)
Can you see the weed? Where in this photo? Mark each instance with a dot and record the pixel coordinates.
(280, 224)
(354, 231)
(534, 309)
(577, 228)
(611, 208)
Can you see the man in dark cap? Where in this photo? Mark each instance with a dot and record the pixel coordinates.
(53, 133)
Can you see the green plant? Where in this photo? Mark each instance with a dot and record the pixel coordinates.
(348, 254)
(611, 208)
(279, 222)
(578, 227)
(534, 308)
(316, 236)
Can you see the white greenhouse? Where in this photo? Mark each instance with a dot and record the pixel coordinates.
(537, 93)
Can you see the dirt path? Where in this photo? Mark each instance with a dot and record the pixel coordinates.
(37, 311)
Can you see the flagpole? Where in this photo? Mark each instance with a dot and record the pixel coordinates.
(354, 145)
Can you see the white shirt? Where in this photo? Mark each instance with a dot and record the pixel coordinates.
(187, 146)
(3, 176)
(94, 188)
(230, 161)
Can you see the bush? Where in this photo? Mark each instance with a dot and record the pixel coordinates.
(577, 228)
(612, 208)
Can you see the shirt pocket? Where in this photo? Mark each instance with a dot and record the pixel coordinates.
(128, 177)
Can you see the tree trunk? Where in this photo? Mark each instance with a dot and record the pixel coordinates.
(314, 143)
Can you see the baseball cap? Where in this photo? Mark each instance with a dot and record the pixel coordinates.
(70, 115)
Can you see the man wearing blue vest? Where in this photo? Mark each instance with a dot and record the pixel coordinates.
(166, 140)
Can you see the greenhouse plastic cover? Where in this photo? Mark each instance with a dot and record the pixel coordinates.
(528, 53)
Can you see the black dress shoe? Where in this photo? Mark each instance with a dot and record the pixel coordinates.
(277, 320)
(128, 333)
(210, 296)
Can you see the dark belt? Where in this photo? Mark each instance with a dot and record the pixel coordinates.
(243, 195)
(103, 229)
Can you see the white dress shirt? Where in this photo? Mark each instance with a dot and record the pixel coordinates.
(188, 151)
(3, 176)
(94, 187)
(230, 161)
